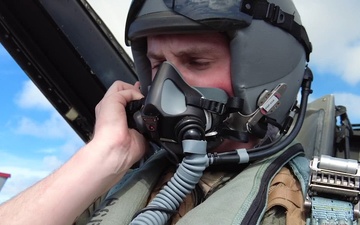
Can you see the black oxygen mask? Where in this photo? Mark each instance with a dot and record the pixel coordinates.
(174, 111)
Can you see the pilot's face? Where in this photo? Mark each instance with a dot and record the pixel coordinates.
(202, 59)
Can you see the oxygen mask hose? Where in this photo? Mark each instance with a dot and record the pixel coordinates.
(188, 174)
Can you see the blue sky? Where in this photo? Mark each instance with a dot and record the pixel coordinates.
(35, 140)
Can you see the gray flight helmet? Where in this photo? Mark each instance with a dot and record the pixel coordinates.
(268, 44)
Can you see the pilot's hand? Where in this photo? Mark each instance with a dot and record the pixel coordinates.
(112, 134)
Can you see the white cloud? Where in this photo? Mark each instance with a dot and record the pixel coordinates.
(352, 66)
(52, 162)
(24, 173)
(31, 97)
(335, 35)
(53, 127)
(71, 145)
(21, 178)
(49, 150)
(351, 102)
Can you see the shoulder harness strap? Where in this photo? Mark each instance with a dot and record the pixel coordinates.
(243, 199)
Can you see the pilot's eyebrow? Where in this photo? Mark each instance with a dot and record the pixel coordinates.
(153, 55)
(184, 52)
(200, 50)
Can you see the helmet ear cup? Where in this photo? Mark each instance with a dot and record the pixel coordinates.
(262, 56)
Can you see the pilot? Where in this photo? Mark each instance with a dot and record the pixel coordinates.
(254, 51)
(251, 58)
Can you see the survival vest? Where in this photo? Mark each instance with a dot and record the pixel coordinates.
(246, 197)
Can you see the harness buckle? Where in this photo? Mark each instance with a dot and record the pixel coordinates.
(335, 179)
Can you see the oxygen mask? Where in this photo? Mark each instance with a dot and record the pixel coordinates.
(173, 111)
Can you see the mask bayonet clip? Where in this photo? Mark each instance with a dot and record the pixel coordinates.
(268, 103)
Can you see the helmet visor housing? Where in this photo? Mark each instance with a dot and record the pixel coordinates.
(147, 17)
